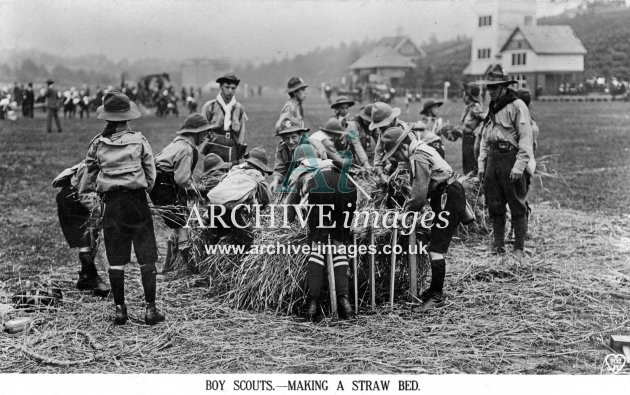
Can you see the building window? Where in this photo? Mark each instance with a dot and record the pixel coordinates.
(519, 59)
(485, 20)
(483, 53)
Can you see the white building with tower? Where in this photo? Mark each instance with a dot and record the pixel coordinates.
(539, 57)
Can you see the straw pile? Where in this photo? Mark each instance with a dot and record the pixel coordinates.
(551, 315)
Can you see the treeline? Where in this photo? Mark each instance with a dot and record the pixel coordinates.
(316, 66)
(36, 66)
(606, 37)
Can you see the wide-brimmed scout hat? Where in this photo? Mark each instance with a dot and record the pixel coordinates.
(342, 100)
(195, 123)
(117, 107)
(214, 162)
(334, 126)
(229, 78)
(295, 83)
(257, 157)
(366, 113)
(391, 140)
(524, 95)
(429, 104)
(473, 92)
(496, 76)
(49, 81)
(289, 125)
(383, 114)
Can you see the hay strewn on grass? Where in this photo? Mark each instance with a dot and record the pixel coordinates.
(551, 315)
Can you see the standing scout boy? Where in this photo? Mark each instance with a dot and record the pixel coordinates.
(472, 117)
(175, 166)
(506, 159)
(296, 88)
(227, 118)
(120, 168)
(431, 180)
(75, 213)
(305, 185)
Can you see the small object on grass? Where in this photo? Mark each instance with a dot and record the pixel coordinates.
(621, 344)
(17, 325)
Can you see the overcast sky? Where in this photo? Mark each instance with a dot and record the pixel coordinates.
(239, 29)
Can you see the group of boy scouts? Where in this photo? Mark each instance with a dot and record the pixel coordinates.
(497, 145)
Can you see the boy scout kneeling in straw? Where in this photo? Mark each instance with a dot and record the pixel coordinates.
(75, 212)
(175, 165)
(322, 190)
(293, 133)
(120, 167)
(431, 180)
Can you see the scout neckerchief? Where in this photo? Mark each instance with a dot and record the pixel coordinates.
(227, 109)
(497, 105)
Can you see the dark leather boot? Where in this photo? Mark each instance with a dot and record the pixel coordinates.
(434, 301)
(312, 312)
(85, 282)
(344, 308)
(121, 315)
(152, 315)
(100, 287)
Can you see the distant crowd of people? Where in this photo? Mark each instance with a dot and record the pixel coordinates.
(611, 86)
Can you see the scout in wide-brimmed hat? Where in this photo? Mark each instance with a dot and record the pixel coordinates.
(195, 123)
(366, 113)
(214, 162)
(383, 114)
(473, 92)
(117, 107)
(295, 83)
(289, 125)
(335, 127)
(429, 105)
(228, 78)
(496, 76)
(257, 157)
(391, 140)
(342, 100)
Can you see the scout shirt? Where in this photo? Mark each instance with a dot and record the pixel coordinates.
(214, 113)
(284, 157)
(121, 160)
(511, 124)
(428, 171)
(473, 116)
(293, 109)
(179, 158)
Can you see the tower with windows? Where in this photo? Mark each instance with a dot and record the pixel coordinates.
(495, 20)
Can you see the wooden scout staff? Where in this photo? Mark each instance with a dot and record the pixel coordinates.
(413, 267)
(331, 280)
(372, 273)
(393, 269)
(355, 269)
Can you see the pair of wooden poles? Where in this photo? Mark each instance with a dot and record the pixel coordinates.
(413, 273)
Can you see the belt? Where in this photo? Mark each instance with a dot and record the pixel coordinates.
(120, 190)
(502, 146)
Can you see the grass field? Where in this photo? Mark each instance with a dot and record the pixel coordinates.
(553, 314)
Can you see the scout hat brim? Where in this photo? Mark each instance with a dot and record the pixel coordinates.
(496, 82)
(338, 132)
(402, 138)
(294, 129)
(339, 103)
(259, 165)
(132, 113)
(298, 86)
(200, 129)
(386, 121)
(426, 109)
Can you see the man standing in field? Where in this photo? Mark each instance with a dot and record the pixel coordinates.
(227, 120)
(472, 117)
(52, 106)
(506, 159)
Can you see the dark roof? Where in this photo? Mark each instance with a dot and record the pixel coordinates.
(387, 54)
(558, 39)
